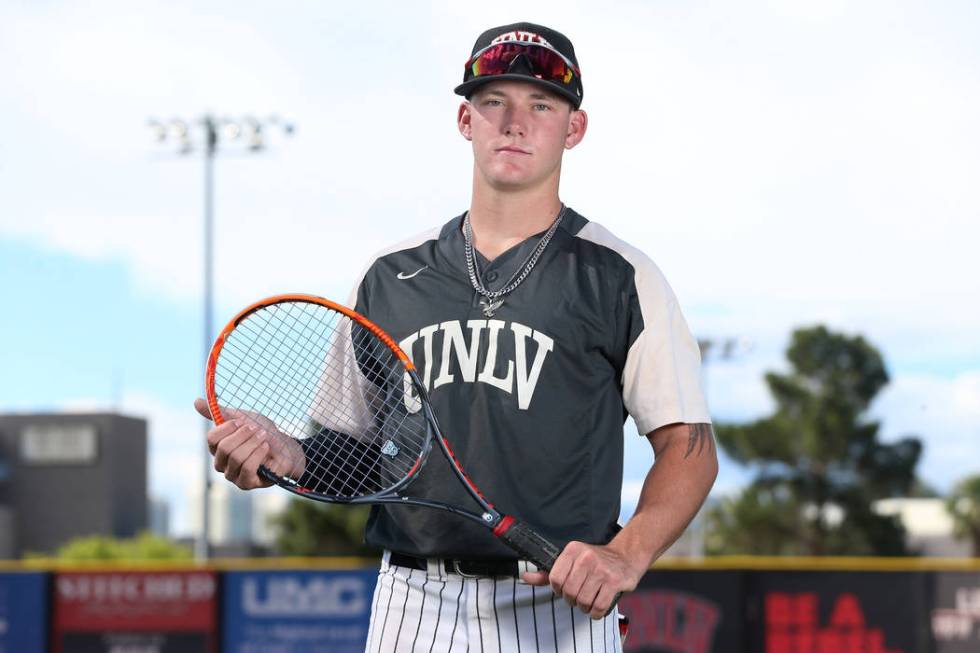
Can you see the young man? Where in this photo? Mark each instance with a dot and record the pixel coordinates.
(535, 331)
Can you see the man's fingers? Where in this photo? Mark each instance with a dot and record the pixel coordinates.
(563, 568)
(572, 590)
(586, 595)
(201, 407)
(229, 444)
(603, 602)
(238, 447)
(238, 456)
(249, 477)
(243, 462)
(538, 578)
(219, 433)
(571, 570)
(283, 459)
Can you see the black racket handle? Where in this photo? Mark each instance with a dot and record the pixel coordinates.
(526, 541)
(533, 546)
(267, 475)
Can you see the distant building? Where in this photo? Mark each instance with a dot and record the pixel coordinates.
(268, 504)
(928, 526)
(159, 516)
(240, 521)
(70, 475)
(230, 514)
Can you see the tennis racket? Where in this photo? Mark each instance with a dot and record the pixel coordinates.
(344, 408)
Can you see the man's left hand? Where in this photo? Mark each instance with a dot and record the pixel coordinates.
(588, 576)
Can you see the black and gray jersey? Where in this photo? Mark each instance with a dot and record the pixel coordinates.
(532, 399)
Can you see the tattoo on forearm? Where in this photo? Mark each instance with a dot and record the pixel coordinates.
(699, 437)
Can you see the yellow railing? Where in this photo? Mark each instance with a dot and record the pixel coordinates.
(813, 563)
(751, 563)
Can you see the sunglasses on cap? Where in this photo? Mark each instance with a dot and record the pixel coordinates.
(545, 63)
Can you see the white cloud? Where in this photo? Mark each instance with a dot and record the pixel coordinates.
(826, 181)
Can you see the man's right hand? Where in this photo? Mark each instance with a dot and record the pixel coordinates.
(244, 442)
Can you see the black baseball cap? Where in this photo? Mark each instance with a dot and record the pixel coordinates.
(521, 69)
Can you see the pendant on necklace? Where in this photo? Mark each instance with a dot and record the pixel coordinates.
(490, 306)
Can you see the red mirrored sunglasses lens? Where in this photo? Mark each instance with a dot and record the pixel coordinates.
(544, 63)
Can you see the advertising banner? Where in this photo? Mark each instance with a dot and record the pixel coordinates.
(956, 612)
(835, 612)
(23, 612)
(145, 611)
(297, 611)
(685, 612)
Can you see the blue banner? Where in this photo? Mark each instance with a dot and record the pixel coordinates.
(23, 612)
(297, 611)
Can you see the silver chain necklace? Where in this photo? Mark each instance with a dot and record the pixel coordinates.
(492, 300)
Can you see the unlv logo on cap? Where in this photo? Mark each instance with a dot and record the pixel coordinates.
(523, 37)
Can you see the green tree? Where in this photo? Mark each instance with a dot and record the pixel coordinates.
(817, 459)
(309, 528)
(963, 505)
(144, 546)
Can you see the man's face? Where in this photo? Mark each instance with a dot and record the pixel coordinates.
(519, 131)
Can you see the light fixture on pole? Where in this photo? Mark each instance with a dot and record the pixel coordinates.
(206, 135)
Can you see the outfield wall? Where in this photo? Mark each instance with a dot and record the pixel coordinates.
(738, 605)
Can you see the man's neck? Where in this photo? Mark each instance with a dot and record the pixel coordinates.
(502, 220)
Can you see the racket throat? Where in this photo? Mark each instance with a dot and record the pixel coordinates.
(492, 519)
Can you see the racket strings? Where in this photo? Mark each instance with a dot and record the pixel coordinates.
(260, 372)
(327, 382)
(407, 432)
(313, 359)
(319, 452)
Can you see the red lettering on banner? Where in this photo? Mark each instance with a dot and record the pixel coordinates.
(670, 639)
(90, 601)
(792, 626)
(847, 612)
(791, 610)
(670, 621)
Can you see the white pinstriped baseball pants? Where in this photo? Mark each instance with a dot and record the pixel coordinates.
(438, 612)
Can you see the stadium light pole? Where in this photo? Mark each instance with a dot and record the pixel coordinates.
(251, 135)
(721, 349)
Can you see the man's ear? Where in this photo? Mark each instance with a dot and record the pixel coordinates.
(464, 120)
(578, 123)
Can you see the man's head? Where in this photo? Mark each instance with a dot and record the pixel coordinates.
(523, 91)
(524, 52)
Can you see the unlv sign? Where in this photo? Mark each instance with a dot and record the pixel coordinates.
(673, 621)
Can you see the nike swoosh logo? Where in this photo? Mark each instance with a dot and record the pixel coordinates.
(402, 275)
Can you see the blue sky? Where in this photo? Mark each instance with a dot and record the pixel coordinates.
(785, 163)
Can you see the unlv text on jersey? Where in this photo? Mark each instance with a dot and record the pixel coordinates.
(476, 356)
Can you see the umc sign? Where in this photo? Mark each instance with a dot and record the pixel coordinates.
(314, 596)
(294, 611)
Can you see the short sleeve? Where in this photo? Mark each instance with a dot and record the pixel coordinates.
(662, 374)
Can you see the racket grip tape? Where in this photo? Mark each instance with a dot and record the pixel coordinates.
(533, 546)
(526, 541)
